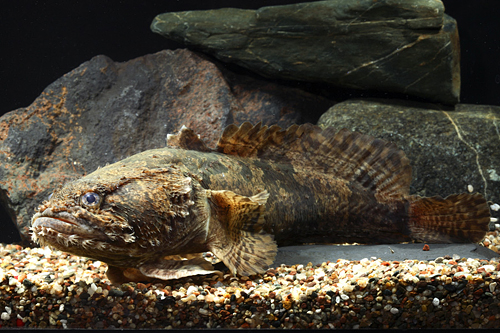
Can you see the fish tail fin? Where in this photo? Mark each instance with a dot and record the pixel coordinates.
(236, 234)
(459, 218)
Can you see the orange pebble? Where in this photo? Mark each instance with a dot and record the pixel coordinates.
(426, 248)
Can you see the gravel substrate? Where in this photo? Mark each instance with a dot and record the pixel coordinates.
(50, 289)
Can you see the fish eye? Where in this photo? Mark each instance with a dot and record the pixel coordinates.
(91, 199)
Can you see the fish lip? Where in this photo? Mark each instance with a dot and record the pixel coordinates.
(64, 223)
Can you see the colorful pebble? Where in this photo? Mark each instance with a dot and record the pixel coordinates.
(41, 288)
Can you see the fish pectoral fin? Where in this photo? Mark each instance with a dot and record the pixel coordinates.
(236, 232)
(162, 269)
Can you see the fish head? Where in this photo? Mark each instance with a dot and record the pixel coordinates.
(122, 214)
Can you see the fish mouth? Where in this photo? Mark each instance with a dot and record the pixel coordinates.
(48, 224)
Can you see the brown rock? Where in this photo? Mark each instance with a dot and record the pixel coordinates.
(104, 111)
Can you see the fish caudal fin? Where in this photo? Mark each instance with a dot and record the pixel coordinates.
(459, 218)
(235, 232)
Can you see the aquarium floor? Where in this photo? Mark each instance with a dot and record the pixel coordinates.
(42, 288)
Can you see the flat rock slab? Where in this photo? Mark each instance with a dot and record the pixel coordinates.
(401, 46)
(104, 111)
(449, 148)
(317, 254)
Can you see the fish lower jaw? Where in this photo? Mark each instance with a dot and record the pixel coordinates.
(65, 228)
(85, 247)
(48, 236)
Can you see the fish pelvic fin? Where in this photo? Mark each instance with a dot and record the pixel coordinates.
(162, 269)
(236, 235)
(459, 218)
(379, 166)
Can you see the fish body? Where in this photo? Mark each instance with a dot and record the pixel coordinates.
(153, 214)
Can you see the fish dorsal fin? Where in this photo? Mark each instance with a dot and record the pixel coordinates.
(375, 164)
(186, 139)
(236, 235)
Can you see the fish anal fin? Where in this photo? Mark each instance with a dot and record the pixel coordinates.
(186, 139)
(236, 235)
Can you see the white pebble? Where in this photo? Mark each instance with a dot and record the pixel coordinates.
(92, 289)
(489, 268)
(435, 301)
(495, 207)
(61, 308)
(191, 290)
(203, 311)
(56, 287)
(492, 286)
(12, 281)
(5, 316)
(493, 219)
(68, 273)
(8, 310)
(470, 188)
(301, 276)
(394, 310)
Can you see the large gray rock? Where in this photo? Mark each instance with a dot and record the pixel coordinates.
(104, 111)
(398, 46)
(448, 149)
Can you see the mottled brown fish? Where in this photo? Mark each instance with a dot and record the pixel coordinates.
(152, 215)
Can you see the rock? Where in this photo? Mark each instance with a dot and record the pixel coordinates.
(104, 111)
(448, 148)
(400, 46)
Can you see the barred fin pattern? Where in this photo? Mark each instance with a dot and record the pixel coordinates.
(376, 164)
(458, 218)
(241, 243)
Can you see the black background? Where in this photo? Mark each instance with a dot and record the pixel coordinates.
(42, 40)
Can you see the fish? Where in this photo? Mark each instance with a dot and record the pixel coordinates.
(156, 214)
